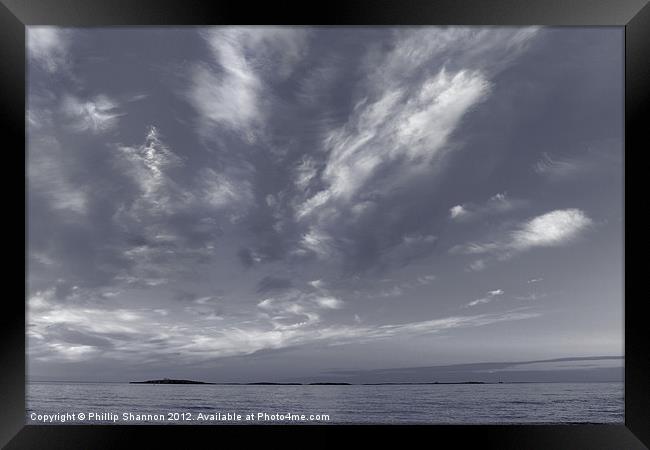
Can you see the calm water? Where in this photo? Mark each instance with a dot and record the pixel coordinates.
(406, 404)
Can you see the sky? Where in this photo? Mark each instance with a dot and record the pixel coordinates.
(246, 203)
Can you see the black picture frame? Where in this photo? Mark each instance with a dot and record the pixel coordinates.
(15, 15)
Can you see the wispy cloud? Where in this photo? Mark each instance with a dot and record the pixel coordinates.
(48, 46)
(490, 50)
(148, 164)
(96, 115)
(297, 309)
(476, 266)
(412, 128)
(316, 242)
(491, 295)
(498, 203)
(229, 188)
(401, 288)
(305, 172)
(73, 332)
(232, 92)
(558, 168)
(591, 159)
(531, 297)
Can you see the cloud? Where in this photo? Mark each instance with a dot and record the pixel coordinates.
(305, 172)
(458, 212)
(233, 93)
(491, 295)
(317, 242)
(96, 115)
(329, 302)
(418, 239)
(297, 309)
(553, 229)
(411, 128)
(318, 284)
(426, 279)
(164, 191)
(440, 325)
(488, 49)
(148, 165)
(477, 266)
(594, 158)
(226, 189)
(557, 168)
(497, 204)
(48, 46)
(479, 301)
(383, 147)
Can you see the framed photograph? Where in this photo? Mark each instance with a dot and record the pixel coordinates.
(381, 217)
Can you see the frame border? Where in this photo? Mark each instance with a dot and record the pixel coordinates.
(634, 15)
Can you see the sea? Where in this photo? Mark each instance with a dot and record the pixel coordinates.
(150, 404)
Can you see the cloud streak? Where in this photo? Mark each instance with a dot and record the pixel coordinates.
(491, 295)
(144, 334)
(497, 204)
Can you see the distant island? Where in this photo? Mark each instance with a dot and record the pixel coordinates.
(169, 381)
(259, 383)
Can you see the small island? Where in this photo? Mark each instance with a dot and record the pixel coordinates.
(169, 381)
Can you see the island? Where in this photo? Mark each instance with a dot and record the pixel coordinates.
(169, 381)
